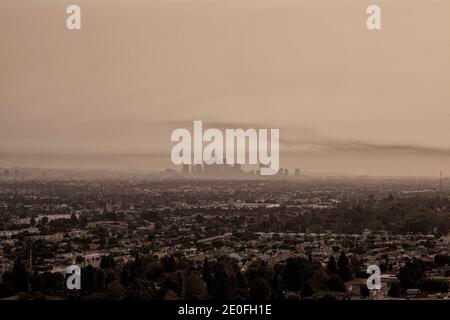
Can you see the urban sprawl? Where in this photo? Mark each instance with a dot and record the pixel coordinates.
(194, 234)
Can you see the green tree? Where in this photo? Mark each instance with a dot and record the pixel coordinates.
(344, 268)
(410, 274)
(331, 266)
(319, 281)
(44, 221)
(74, 219)
(336, 284)
(432, 285)
(107, 262)
(364, 291)
(307, 290)
(19, 276)
(141, 290)
(114, 291)
(259, 289)
(53, 282)
(194, 287)
(297, 272)
(225, 277)
(6, 286)
(205, 270)
(100, 280)
(277, 288)
(394, 289)
(37, 283)
(88, 280)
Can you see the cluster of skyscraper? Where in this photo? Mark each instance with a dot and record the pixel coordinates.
(228, 171)
(12, 173)
(213, 170)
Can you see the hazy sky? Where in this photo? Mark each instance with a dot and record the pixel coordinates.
(346, 99)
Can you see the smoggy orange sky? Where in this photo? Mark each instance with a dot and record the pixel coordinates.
(346, 99)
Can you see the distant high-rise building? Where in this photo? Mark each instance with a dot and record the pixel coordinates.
(297, 172)
(440, 182)
(286, 172)
(185, 169)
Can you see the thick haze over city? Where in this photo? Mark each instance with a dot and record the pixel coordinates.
(346, 100)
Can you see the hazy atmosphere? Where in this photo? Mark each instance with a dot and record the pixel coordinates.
(346, 100)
